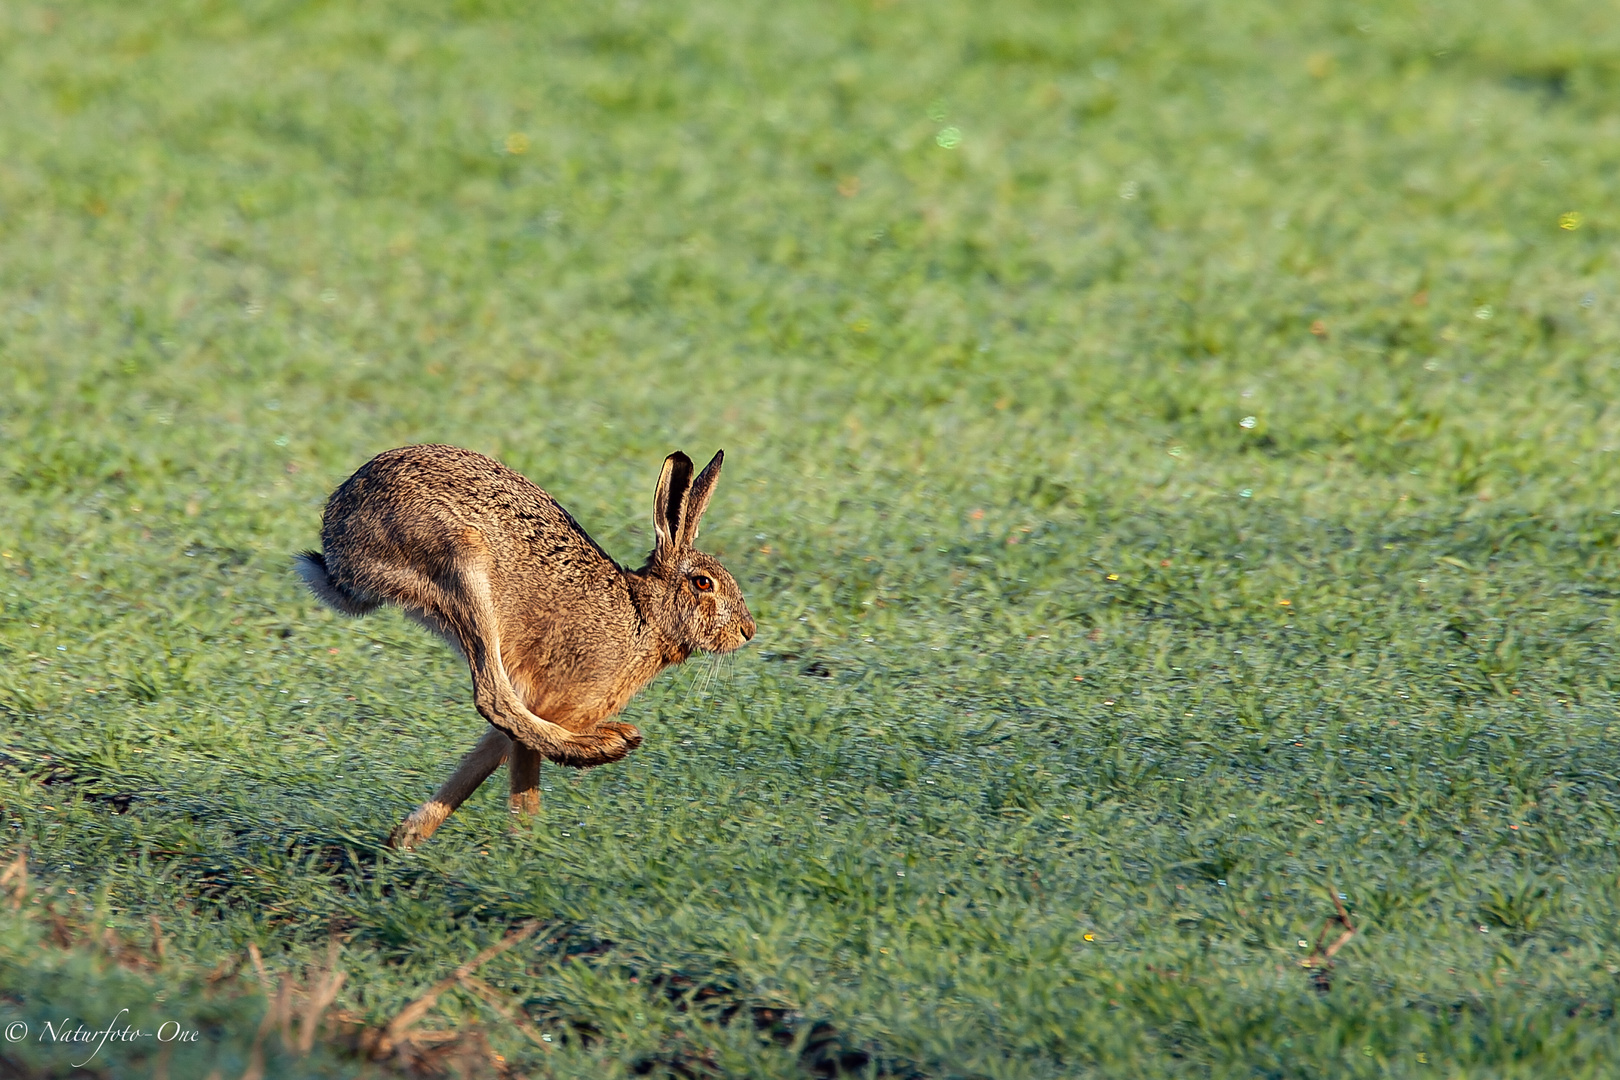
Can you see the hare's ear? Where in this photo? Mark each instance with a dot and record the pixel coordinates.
(697, 500)
(669, 504)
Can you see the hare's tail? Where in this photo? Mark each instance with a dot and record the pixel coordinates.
(311, 566)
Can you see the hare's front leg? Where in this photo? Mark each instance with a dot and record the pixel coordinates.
(524, 767)
(474, 769)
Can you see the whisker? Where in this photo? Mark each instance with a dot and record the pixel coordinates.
(692, 681)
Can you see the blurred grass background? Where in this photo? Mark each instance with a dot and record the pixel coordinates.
(1171, 456)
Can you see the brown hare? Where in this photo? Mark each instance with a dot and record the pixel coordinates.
(558, 636)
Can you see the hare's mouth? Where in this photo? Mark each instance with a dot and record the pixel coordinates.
(734, 639)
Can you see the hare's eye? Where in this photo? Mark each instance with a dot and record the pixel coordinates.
(702, 583)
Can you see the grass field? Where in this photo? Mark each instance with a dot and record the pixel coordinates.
(1172, 456)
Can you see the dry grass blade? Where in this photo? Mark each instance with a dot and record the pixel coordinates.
(395, 1032)
(15, 879)
(283, 1009)
(495, 1000)
(1344, 920)
(323, 991)
(258, 968)
(255, 1066)
(317, 996)
(1320, 961)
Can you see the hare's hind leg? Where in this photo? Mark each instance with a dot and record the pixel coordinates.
(524, 767)
(473, 621)
(475, 768)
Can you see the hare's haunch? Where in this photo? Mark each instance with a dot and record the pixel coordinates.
(558, 636)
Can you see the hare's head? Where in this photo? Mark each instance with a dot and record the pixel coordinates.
(700, 606)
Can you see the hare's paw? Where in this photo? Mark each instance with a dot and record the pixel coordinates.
(423, 822)
(405, 837)
(598, 746)
(613, 741)
(524, 804)
(629, 734)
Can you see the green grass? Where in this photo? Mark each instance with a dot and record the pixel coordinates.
(1075, 691)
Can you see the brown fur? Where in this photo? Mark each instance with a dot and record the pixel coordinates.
(558, 636)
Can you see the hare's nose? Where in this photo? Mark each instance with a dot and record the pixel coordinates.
(748, 630)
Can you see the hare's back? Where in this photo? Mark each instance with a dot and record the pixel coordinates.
(419, 502)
